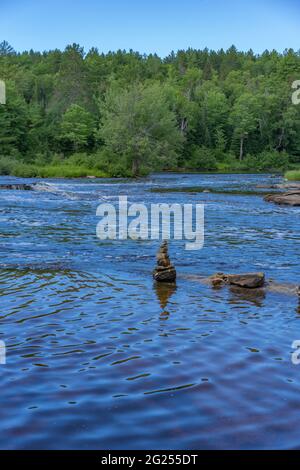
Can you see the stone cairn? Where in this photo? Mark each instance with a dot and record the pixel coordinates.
(164, 271)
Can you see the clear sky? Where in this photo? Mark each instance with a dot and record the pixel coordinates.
(151, 25)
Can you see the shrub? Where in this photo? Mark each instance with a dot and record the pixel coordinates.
(202, 159)
(57, 159)
(81, 159)
(41, 159)
(6, 165)
(67, 171)
(273, 160)
(293, 175)
(266, 161)
(230, 163)
(25, 171)
(111, 164)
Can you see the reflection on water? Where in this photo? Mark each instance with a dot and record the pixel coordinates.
(254, 296)
(164, 291)
(92, 361)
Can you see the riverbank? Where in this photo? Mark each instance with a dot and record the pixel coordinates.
(68, 170)
(82, 166)
(293, 175)
(23, 170)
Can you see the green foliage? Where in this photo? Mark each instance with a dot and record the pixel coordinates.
(77, 127)
(274, 160)
(111, 164)
(13, 122)
(6, 49)
(49, 171)
(267, 161)
(139, 126)
(67, 171)
(124, 113)
(7, 166)
(293, 175)
(203, 159)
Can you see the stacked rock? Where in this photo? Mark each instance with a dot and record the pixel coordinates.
(164, 271)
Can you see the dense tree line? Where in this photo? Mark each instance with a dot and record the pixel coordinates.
(124, 113)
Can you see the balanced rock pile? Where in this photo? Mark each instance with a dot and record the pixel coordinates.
(164, 271)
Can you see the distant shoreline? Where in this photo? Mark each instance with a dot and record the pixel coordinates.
(73, 171)
(29, 171)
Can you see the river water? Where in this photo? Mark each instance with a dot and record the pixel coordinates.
(98, 357)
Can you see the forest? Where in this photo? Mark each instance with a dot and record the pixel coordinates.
(71, 113)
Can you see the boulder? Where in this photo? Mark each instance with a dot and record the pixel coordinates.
(250, 281)
(290, 198)
(289, 185)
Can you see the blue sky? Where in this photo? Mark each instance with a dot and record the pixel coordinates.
(151, 25)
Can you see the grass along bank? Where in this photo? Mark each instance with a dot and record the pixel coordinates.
(293, 175)
(103, 164)
(24, 170)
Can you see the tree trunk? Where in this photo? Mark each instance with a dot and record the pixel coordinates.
(183, 125)
(135, 167)
(242, 148)
(280, 145)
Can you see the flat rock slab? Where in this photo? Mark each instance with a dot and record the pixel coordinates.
(291, 198)
(250, 281)
(289, 186)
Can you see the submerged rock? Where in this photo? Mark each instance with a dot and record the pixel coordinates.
(17, 187)
(248, 281)
(266, 186)
(254, 296)
(279, 288)
(27, 187)
(40, 187)
(164, 271)
(291, 198)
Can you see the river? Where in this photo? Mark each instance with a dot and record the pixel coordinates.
(98, 357)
